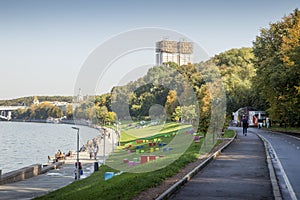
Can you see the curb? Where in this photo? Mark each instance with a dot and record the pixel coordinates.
(285, 188)
(192, 173)
(274, 182)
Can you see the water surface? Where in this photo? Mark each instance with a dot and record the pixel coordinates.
(23, 144)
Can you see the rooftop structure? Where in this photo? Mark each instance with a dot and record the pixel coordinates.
(172, 51)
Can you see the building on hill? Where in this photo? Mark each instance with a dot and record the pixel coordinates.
(172, 51)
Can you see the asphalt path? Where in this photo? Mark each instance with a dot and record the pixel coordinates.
(286, 161)
(239, 172)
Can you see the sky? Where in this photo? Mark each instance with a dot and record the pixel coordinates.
(44, 44)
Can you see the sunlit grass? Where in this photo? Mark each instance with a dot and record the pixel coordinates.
(133, 133)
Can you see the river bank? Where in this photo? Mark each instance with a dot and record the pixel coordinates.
(47, 182)
(23, 144)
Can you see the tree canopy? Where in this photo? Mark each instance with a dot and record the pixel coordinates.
(238, 74)
(277, 61)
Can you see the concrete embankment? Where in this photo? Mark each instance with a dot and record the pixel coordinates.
(37, 169)
(48, 181)
(27, 172)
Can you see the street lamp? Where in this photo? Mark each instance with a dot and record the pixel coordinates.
(112, 141)
(77, 165)
(103, 137)
(104, 134)
(119, 132)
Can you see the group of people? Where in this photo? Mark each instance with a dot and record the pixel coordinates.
(59, 155)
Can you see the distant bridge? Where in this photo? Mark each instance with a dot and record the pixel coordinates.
(5, 111)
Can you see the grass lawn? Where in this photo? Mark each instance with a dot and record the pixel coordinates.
(132, 133)
(127, 185)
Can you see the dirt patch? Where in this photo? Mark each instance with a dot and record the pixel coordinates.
(153, 193)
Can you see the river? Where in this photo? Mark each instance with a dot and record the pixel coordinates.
(24, 144)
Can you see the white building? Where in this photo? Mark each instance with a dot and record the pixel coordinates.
(254, 116)
(172, 51)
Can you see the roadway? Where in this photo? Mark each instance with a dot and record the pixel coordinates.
(286, 160)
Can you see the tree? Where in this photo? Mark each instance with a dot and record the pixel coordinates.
(84, 110)
(238, 73)
(21, 113)
(69, 111)
(55, 112)
(44, 110)
(188, 114)
(177, 114)
(111, 117)
(171, 104)
(277, 52)
(102, 114)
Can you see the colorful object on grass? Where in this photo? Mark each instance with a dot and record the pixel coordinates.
(108, 175)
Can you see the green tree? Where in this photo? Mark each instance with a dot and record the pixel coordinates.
(44, 110)
(69, 111)
(171, 104)
(277, 52)
(188, 114)
(55, 112)
(84, 110)
(177, 114)
(238, 73)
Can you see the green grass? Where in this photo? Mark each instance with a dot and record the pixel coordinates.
(228, 134)
(130, 134)
(126, 185)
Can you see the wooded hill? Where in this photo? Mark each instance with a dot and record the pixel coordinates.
(27, 101)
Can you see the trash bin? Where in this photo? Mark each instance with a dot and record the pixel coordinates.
(75, 173)
(96, 166)
(78, 171)
(108, 175)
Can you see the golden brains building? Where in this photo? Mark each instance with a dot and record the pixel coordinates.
(172, 51)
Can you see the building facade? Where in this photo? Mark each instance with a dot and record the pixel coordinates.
(172, 51)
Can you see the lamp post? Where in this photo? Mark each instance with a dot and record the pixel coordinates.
(112, 141)
(104, 134)
(77, 165)
(119, 132)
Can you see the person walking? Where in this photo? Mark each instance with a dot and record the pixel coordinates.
(245, 125)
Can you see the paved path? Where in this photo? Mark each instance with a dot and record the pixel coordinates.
(43, 183)
(240, 172)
